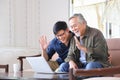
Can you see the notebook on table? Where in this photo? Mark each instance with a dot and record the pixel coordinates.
(40, 65)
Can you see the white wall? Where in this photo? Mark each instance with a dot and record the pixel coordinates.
(22, 22)
(4, 23)
(52, 11)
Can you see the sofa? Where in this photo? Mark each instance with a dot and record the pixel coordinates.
(114, 50)
(114, 58)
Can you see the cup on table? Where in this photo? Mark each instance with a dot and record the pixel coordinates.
(16, 68)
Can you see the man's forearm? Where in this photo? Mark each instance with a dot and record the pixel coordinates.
(45, 55)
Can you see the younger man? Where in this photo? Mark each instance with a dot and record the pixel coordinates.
(60, 44)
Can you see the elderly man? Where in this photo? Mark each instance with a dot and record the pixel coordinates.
(88, 49)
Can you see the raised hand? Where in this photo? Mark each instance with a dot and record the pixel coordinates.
(77, 42)
(79, 46)
(43, 42)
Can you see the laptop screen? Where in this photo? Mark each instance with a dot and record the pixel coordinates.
(39, 64)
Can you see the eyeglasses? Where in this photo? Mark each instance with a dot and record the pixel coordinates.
(60, 35)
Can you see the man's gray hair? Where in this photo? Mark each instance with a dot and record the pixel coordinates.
(80, 16)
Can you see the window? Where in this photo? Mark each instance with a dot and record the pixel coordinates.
(101, 14)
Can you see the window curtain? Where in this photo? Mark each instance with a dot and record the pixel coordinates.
(93, 14)
(103, 15)
(112, 12)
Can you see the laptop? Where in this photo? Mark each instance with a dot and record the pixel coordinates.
(40, 65)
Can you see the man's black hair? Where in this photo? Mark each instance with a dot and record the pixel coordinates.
(60, 25)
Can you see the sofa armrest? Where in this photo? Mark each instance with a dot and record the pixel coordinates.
(110, 71)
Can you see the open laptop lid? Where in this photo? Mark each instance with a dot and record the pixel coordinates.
(39, 64)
